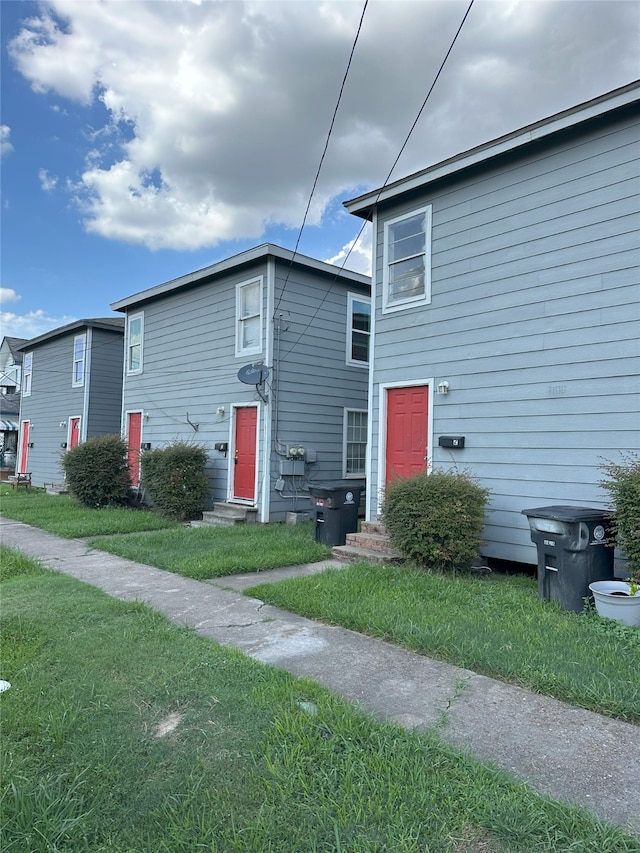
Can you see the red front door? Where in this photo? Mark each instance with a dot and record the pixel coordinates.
(244, 468)
(134, 437)
(407, 431)
(74, 432)
(24, 447)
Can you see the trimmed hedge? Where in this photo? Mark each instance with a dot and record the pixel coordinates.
(623, 486)
(97, 473)
(436, 520)
(175, 479)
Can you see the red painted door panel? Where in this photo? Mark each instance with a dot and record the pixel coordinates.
(24, 447)
(244, 468)
(407, 424)
(74, 432)
(134, 437)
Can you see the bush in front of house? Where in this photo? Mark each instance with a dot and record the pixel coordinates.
(623, 486)
(175, 479)
(97, 473)
(436, 520)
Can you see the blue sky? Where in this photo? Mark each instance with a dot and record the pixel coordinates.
(144, 140)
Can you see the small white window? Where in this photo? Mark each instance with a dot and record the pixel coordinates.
(135, 334)
(79, 348)
(249, 317)
(407, 260)
(358, 330)
(355, 443)
(27, 374)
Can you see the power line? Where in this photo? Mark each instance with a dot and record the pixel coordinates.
(386, 180)
(326, 146)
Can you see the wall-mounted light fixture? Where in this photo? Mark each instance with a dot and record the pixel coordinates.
(443, 387)
(220, 411)
(63, 424)
(146, 416)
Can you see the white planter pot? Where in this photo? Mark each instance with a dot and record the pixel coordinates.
(623, 608)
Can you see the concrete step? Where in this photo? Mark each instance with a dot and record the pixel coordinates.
(373, 527)
(351, 554)
(227, 515)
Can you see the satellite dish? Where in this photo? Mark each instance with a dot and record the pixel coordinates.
(253, 374)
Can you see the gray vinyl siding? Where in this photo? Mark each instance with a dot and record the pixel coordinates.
(534, 322)
(104, 402)
(53, 400)
(190, 368)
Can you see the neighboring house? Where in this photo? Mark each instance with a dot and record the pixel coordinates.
(263, 359)
(10, 379)
(507, 315)
(71, 391)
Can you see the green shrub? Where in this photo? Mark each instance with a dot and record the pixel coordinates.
(436, 520)
(623, 486)
(97, 472)
(175, 479)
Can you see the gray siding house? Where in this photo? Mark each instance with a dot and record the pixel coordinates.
(71, 391)
(263, 359)
(506, 318)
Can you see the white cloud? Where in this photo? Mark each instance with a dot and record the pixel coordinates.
(7, 294)
(5, 146)
(356, 254)
(31, 324)
(47, 181)
(220, 110)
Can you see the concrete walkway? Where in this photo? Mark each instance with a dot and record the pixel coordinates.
(570, 754)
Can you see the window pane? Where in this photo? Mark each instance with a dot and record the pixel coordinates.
(251, 333)
(356, 449)
(406, 238)
(250, 300)
(134, 357)
(135, 331)
(360, 347)
(361, 316)
(406, 279)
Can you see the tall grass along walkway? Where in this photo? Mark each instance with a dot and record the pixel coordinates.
(570, 754)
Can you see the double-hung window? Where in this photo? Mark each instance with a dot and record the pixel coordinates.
(27, 373)
(407, 260)
(358, 330)
(79, 349)
(354, 443)
(135, 335)
(249, 317)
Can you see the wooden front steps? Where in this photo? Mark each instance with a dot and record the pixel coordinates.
(226, 515)
(371, 545)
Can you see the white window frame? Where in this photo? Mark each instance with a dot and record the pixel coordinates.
(420, 299)
(130, 320)
(79, 362)
(27, 374)
(365, 300)
(240, 319)
(353, 475)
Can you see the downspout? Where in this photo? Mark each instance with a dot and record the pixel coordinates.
(271, 405)
(87, 386)
(372, 344)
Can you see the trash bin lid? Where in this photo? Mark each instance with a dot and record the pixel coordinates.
(567, 513)
(325, 490)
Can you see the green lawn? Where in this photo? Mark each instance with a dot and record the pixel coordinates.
(122, 733)
(494, 625)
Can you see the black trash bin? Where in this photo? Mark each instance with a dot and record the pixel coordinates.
(573, 551)
(335, 510)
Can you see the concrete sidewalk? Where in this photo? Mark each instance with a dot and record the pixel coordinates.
(572, 755)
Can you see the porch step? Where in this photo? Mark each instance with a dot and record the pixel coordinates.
(371, 544)
(226, 515)
(56, 488)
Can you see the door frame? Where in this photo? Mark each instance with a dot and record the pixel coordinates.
(70, 419)
(232, 446)
(21, 446)
(383, 387)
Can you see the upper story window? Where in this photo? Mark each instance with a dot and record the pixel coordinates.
(407, 260)
(27, 373)
(249, 317)
(354, 451)
(135, 335)
(358, 330)
(79, 349)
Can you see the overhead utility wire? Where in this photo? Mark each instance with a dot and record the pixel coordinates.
(386, 180)
(326, 146)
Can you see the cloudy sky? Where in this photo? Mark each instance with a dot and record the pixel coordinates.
(145, 139)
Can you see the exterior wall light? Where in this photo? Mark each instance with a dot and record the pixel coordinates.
(443, 387)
